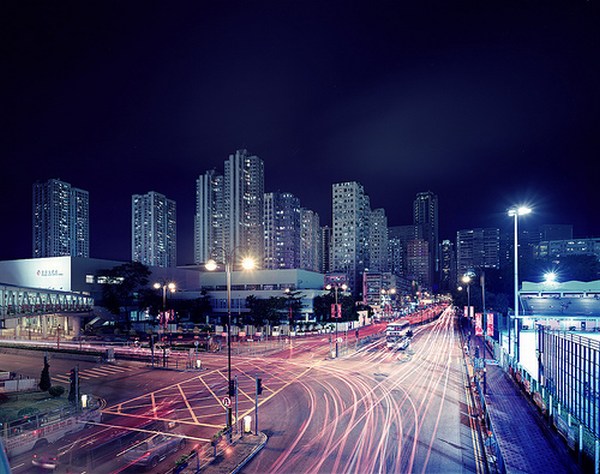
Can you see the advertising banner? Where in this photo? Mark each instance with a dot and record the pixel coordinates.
(336, 312)
(490, 324)
(478, 325)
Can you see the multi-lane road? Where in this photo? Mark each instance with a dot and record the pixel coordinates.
(370, 410)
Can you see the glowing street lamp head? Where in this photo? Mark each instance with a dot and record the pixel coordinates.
(519, 211)
(248, 263)
(171, 287)
(157, 286)
(550, 277)
(344, 287)
(211, 265)
(466, 279)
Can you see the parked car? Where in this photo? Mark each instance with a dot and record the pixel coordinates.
(149, 452)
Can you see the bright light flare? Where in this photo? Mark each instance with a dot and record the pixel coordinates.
(248, 263)
(211, 265)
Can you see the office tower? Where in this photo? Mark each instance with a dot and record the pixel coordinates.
(351, 211)
(243, 206)
(325, 249)
(378, 242)
(310, 247)
(425, 214)
(448, 278)
(153, 230)
(208, 220)
(60, 220)
(477, 249)
(282, 231)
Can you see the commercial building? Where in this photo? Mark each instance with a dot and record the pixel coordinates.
(153, 230)
(60, 220)
(425, 215)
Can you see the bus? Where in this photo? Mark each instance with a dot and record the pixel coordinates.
(397, 335)
(41, 429)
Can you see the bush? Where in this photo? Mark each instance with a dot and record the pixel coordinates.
(56, 391)
(27, 411)
(3, 398)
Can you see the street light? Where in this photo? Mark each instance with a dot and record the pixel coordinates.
(387, 304)
(211, 265)
(337, 314)
(515, 213)
(466, 279)
(171, 287)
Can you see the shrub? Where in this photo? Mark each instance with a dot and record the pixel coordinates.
(56, 391)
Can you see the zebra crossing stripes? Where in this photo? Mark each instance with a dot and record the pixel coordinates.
(91, 373)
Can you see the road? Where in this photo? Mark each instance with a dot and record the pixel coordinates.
(375, 411)
(370, 410)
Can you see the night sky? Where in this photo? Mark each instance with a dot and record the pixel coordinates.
(487, 104)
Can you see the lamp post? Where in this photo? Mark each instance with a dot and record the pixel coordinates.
(515, 213)
(387, 302)
(337, 314)
(171, 287)
(211, 265)
(466, 279)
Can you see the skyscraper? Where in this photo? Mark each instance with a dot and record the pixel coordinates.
(425, 214)
(208, 220)
(60, 220)
(310, 239)
(244, 187)
(351, 211)
(282, 231)
(378, 242)
(153, 230)
(477, 249)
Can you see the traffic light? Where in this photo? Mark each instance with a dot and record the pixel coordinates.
(73, 376)
(231, 388)
(258, 386)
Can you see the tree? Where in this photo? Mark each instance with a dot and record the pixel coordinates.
(125, 286)
(322, 307)
(45, 382)
(293, 304)
(265, 310)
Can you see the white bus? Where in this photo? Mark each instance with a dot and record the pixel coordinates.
(397, 335)
(41, 429)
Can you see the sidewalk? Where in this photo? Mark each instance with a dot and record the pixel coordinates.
(527, 443)
(233, 458)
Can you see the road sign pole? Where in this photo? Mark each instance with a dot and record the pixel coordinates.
(236, 403)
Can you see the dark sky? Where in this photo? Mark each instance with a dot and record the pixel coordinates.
(487, 104)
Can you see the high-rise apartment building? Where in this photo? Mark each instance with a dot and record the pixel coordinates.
(477, 249)
(351, 211)
(556, 232)
(310, 240)
(208, 220)
(325, 249)
(153, 230)
(378, 242)
(425, 215)
(399, 237)
(244, 188)
(60, 220)
(282, 231)
(418, 263)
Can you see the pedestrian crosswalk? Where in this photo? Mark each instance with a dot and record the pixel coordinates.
(91, 373)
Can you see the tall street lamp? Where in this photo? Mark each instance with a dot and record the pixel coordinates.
(165, 286)
(171, 287)
(515, 213)
(387, 302)
(228, 262)
(466, 279)
(337, 313)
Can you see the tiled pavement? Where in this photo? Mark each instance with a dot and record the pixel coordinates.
(527, 443)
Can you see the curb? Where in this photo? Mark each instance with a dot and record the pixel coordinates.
(252, 454)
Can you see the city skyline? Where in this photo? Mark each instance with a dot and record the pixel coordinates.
(486, 106)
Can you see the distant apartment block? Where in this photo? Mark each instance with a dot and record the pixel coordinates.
(153, 230)
(60, 220)
(282, 231)
(310, 239)
(477, 249)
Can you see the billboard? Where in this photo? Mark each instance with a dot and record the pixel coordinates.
(53, 273)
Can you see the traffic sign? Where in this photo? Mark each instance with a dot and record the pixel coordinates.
(226, 401)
